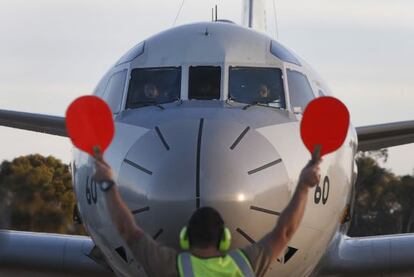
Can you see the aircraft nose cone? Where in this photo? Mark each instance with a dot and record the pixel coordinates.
(182, 165)
(244, 177)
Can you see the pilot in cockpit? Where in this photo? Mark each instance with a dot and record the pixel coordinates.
(264, 93)
(151, 92)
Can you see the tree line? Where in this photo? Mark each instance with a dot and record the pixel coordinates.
(384, 202)
(36, 195)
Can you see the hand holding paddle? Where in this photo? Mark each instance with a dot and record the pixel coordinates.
(310, 174)
(103, 171)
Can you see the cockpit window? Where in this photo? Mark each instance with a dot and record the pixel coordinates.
(149, 86)
(282, 53)
(114, 90)
(253, 85)
(204, 82)
(300, 90)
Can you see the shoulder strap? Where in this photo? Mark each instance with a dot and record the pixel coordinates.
(242, 263)
(187, 267)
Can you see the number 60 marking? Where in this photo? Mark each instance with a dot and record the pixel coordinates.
(322, 193)
(91, 191)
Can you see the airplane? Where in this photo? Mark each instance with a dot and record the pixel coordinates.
(208, 114)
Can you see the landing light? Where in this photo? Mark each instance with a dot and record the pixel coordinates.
(241, 197)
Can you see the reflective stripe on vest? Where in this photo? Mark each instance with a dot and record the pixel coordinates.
(186, 264)
(235, 259)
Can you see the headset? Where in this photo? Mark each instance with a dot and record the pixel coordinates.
(224, 244)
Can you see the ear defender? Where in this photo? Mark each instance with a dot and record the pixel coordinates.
(224, 244)
(225, 240)
(184, 240)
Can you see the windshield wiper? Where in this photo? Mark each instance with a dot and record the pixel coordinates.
(149, 103)
(178, 100)
(251, 104)
(258, 104)
(228, 101)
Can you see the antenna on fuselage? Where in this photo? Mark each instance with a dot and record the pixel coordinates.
(254, 14)
(214, 13)
(178, 13)
(275, 17)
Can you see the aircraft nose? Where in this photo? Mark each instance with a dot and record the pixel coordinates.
(244, 177)
(182, 165)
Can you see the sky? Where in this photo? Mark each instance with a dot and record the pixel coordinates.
(54, 51)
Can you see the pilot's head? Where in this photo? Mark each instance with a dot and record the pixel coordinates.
(264, 91)
(205, 229)
(151, 91)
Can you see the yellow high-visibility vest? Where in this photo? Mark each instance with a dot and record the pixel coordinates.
(234, 264)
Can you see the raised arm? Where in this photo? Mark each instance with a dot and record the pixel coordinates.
(118, 210)
(292, 215)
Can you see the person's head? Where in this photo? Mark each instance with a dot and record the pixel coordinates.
(205, 228)
(151, 91)
(264, 91)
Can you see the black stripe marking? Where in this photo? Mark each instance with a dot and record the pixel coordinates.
(264, 210)
(200, 134)
(138, 166)
(289, 253)
(264, 167)
(157, 234)
(140, 210)
(246, 236)
(121, 252)
(239, 138)
(162, 138)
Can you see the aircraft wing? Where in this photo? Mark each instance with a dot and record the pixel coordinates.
(41, 254)
(53, 125)
(375, 137)
(388, 255)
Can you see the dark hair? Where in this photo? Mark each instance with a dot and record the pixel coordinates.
(205, 228)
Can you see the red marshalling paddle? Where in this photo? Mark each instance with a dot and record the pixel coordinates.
(89, 124)
(324, 126)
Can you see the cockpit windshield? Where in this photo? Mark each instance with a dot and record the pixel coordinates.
(151, 86)
(254, 85)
